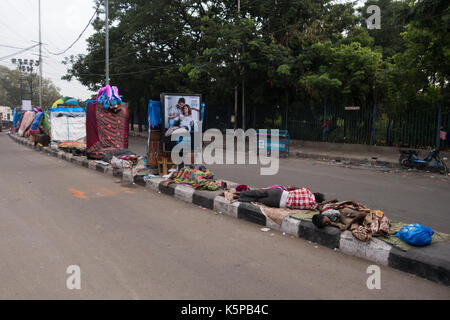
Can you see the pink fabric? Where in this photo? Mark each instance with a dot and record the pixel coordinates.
(242, 187)
(27, 120)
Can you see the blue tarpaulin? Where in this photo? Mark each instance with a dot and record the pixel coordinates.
(16, 117)
(154, 114)
(37, 121)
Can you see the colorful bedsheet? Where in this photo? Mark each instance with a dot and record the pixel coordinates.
(106, 131)
(201, 180)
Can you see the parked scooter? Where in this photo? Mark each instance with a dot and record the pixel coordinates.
(410, 159)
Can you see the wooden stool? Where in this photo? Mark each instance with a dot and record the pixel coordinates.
(164, 164)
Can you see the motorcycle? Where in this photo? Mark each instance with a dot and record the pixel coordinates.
(410, 159)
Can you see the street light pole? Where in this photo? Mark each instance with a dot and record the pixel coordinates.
(235, 87)
(40, 58)
(31, 86)
(21, 97)
(107, 43)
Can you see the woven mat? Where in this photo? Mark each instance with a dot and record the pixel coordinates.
(402, 245)
(391, 238)
(277, 215)
(305, 215)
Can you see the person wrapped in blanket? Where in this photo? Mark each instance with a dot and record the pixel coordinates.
(354, 216)
(279, 197)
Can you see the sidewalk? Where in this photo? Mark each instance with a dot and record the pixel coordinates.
(355, 154)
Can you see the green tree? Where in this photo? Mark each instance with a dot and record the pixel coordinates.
(10, 88)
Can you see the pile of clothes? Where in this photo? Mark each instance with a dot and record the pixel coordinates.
(33, 125)
(356, 217)
(77, 148)
(200, 179)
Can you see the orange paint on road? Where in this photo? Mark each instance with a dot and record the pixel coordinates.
(77, 193)
(100, 192)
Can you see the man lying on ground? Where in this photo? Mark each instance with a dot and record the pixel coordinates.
(343, 221)
(354, 216)
(301, 198)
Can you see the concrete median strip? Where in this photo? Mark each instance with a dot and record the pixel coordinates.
(429, 262)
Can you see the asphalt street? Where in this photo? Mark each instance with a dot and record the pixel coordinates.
(410, 197)
(133, 243)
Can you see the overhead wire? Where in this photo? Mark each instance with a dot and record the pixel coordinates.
(80, 35)
(18, 52)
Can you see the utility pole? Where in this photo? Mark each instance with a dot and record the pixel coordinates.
(107, 43)
(21, 96)
(235, 87)
(31, 86)
(25, 65)
(243, 80)
(243, 102)
(40, 58)
(235, 106)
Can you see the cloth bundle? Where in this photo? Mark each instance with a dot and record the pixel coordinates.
(27, 120)
(72, 145)
(106, 131)
(375, 223)
(201, 180)
(108, 96)
(119, 163)
(37, 121)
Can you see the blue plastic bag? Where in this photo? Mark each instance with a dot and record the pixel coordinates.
(415, 234)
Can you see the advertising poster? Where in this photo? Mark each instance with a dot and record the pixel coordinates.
(180, 115)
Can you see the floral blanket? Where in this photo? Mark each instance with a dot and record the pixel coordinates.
(201, 180)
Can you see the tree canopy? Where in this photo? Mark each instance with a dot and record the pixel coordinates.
(285, 52)
(10, 88)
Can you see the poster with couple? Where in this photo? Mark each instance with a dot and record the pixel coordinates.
(181, 114)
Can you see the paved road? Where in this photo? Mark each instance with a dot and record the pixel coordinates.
(137, 244)
(404, 196)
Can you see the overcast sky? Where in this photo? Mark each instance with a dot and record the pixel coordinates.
(62, 21)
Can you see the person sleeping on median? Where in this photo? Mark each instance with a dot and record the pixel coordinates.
(292, 198)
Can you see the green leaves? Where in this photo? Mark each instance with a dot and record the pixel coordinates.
(304, 50)
(284, 69)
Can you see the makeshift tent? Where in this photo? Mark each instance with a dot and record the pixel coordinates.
(106, 129)
(68, 123)
(65, 101)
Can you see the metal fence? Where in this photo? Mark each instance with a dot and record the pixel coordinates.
(413, 129)
(409, 130)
